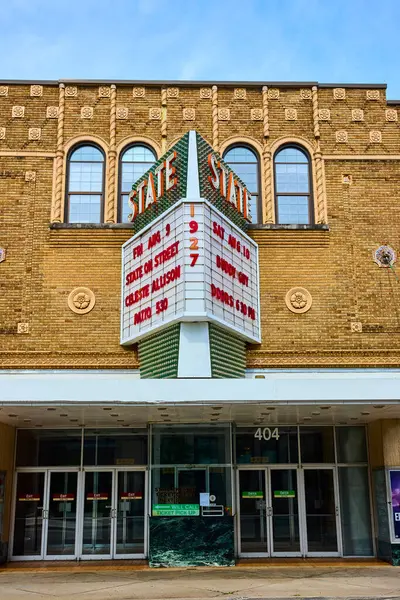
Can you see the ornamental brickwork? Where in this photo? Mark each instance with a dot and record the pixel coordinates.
(356, 198)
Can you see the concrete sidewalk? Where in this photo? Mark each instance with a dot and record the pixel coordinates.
(236, 583)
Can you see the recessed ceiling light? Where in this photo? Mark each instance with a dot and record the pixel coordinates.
(259, 376)
(107, 408)
(38, 425)
(50, 408)
(120, 420)
(379, 406)
(307, 418)
(73, 420)
(325, 407)
(162, 408)
(12, 415)
(27, 420)
(215, 414)
(114, 415)
(63, 415)
(216, 407)
(316, 413)
(169, 420)
(271, 408)
(81, 425)
(353, 418)
(365, 413)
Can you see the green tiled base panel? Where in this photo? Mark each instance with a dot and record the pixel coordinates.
(158, 354)
(191, 541)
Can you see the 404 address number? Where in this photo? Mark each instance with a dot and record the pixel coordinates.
(266, 433)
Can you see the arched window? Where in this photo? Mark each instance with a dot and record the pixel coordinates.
(85, 185)
(293, 194)
(245, 163)
(134, 162)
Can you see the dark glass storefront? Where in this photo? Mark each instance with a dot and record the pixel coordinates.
(192, 494)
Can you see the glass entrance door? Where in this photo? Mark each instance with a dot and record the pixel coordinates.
(269, 512)
(284, 512)
(45, 516)
(322, 511)
(29, 515)
(61, 514)
(98, 513)
(252, 513)
(114, 519)
(130, 514)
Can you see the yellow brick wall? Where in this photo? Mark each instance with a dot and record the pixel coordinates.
(43, 265)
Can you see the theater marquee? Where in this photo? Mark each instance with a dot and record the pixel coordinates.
(191, 263)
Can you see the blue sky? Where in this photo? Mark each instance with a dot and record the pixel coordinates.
(264, 40)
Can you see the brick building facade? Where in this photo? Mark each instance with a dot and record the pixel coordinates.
(330, 347)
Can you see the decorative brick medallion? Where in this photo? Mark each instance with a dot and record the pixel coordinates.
(273, 93)
(138, 92)
(373, 94)
(205, 93)
(256, 114)
(155, 113)
(104, 91)
(375, 137)
(298, 300)
(239, 94)
(81, 300)
(52, 112)
(189, 114)
(324, 114)
(30, 175)
(391, 115)
(17, 112)
(341, 136)
(224, 114)
(122, 112)
(3, 90)
(290, 114)
(357, 114)
(2, 133)
(36, 90)
(339, 93)
(34, 134)
(71, 91)
(23, 328)
(173, 92)
(86, 112)
(348, 179)
(305, 94)
(356, 327)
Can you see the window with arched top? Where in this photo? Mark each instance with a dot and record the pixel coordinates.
(244, 161)
(85, 184)
(293, 189)
(134, 161)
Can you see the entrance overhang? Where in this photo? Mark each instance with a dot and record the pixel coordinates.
(121, 398)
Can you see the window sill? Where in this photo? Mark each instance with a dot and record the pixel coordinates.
(273, 226)
(75, 226)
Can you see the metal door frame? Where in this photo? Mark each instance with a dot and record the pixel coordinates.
(118, 470)
(334, 470)
(47, 503)
(112, 555)
(268, 510)
(270, 514)
(239, 536)
(45, 508)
